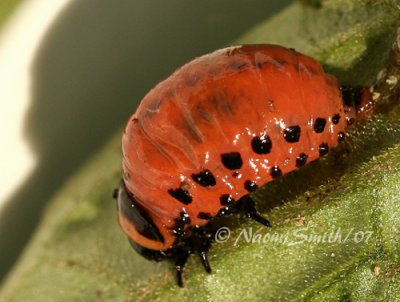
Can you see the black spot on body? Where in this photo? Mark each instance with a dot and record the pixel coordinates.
(261, 145)
(204, 178)
(319, 125)
(250, 185)
(301, 160)
(292, 134)
(228, 204)
(341, 136)
(181, 195)
(336, 119)
(205, 216)
(232, 161)
(226, 199)
(275, 172)
(236, 174)
(323, 149)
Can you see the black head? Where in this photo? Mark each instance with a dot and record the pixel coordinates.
(129, 207)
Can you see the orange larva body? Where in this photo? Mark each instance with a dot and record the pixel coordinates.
(218, 128)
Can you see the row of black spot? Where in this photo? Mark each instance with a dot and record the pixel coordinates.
(263, 144)
(292, 133)
(260, 145)
(206, 179)
(234, 161)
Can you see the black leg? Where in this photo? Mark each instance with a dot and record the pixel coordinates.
(180, 263)
(202, 237)
(247, 205)
(257, 217)
(201, 241)
(203, 251)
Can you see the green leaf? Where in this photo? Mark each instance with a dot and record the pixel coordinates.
(336, 221)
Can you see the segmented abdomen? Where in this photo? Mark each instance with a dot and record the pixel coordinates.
(226, 123)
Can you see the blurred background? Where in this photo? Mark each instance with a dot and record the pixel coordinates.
(72, 72)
